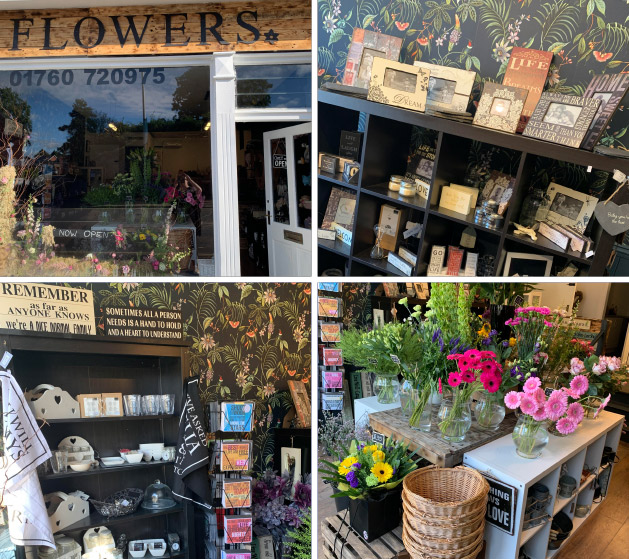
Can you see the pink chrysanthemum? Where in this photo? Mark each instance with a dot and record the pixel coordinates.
(528, 405)
(555, 406)
(576, 412)
(532, 384)
(540, 414)
(566, 426)
(512, 400)
(454, 379)
(579, 384)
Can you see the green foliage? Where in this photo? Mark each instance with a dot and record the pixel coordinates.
(503, 293)
(300, 541)
(102, 196)
(494, 15)
(451, 310)
(558, 22)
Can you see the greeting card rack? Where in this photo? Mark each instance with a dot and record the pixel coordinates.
(333, 382)
(588, 449)
(232, 511)
(387, 137)
(89, 364)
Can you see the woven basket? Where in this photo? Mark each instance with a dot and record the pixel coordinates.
(446, 521)
(424, 527)
(445, 544)
(180, 240)
(419, 551)
(450, 492)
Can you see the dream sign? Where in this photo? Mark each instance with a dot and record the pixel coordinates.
(614, 219)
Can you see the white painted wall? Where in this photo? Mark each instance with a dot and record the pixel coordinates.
(594, 301)
(557, 295)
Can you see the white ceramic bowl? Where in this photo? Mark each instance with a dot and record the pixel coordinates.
(133, 457)
(149, 447)
(80, 466)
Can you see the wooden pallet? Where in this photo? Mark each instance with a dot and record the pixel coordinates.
(341, 542)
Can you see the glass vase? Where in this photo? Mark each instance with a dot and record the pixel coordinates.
(531, 204)
(590, 406)
(387, 389)
(489, 412)
(422, 417)
(455, 419)
(529, 436)
(407, 398)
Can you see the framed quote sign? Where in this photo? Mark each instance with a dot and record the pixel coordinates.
(399, 85)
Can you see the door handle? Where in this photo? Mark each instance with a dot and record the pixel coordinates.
(268, 217)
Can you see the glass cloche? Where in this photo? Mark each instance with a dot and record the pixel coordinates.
(158, 496)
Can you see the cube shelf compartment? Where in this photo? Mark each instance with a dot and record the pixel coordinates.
(582, 449)
(387, 135)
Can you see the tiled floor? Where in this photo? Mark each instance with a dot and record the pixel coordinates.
(605, 535)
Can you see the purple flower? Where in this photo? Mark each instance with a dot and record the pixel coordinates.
(352, 479)
(436, 335)
(487, 341)
(505, 343)
(493, 333)
(356, 465)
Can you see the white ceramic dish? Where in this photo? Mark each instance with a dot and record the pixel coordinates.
(110, 461)
(133, 456)
(148, 545)
(80, 466)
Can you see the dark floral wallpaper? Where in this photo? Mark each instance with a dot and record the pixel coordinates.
(246, 340)
(587, 36)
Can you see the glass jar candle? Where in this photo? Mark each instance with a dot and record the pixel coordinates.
(395, 182)
(407, 188)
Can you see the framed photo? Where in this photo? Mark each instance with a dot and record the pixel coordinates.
(378, 318)
(422, 291)
(448, 88)
(609, 89)
(500, 107)
(340, 209)
(399, 85)
(499, 187)
(569, 207)
(391, 289)
(526, 264)
(111, 405)
(562, 119)
(366, 46)
(90, 404)
(535, 298)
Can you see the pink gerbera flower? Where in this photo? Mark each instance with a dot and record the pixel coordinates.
(512, 400)
(579, 384)
(473, 354)
(486, 354)
(454, 379)
(468, 376)
(532, 384)
(540, 414)
(528, 405)
(539, 396)
(555, 406)
(491, 382)
(575, 412)
(602, 406)
(566, 426)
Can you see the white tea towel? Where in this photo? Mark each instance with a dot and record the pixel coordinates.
(25, 448)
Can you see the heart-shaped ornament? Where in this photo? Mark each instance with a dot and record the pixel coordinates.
(58, 399)
(614, 219)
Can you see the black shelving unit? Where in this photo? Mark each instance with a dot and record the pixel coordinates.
(91, 365)
(387, 135)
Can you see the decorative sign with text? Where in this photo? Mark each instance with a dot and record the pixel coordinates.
(169, 29)
(500, 505)
(130, 322)
(46, 308)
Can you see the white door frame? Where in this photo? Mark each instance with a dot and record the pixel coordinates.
(223, 116)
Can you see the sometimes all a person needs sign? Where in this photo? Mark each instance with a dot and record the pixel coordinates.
(46, 308)
(169, 29)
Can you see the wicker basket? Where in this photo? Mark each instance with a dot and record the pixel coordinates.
(443, 521)
(425, 527)
(181, 240)
(450, 492)
(447, 545)
(418, 551)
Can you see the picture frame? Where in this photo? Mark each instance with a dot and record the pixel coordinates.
(449, 89)
(91, 405)
(111, 404)
(399, 85)
(518, 262)
(499, 187)
(561, 119)
(367, 46)
(535, 298)
(610, 89)
(568, 207)
(341, 209)
(500, 107)
(422, 290)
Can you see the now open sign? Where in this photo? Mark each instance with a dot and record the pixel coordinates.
(500, 505)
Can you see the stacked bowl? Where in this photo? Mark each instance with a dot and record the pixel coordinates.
(444, 513)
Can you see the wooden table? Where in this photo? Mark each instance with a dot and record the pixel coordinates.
(341, 542)
(430, 445)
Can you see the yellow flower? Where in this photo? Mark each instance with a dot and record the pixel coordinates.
(346, 465)
(370, 448)
(511, 342)
(382, 471)
(378, 456)
(142, 237)
(485, 330)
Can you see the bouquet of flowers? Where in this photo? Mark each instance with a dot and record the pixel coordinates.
(369, 467)
(476, 370)
(532, 329)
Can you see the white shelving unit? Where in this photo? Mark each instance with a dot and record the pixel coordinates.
(582, 449)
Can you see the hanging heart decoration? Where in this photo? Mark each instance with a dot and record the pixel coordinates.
(614, 219)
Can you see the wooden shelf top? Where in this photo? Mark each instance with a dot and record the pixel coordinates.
(95, 519)
(546, 245)
(336, 178)
(495, 137)
(103, 470)
(336, 246)
(382, 191)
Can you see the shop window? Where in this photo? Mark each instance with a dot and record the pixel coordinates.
(273, 86)
(105, 149)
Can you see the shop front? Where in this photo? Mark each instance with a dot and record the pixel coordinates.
(137, 136)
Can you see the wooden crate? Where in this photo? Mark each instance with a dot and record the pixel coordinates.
(341, 542)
